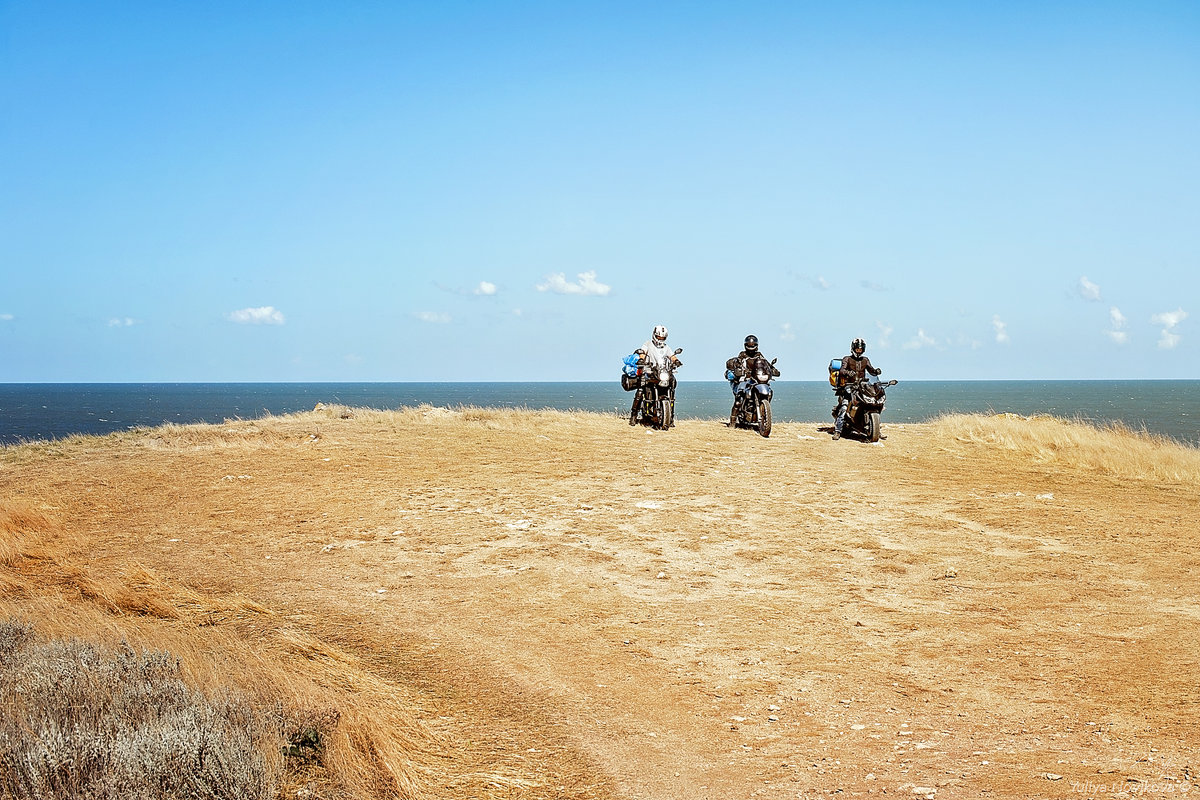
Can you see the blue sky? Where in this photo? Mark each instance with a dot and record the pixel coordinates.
(398, 191)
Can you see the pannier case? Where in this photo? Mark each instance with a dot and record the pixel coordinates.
(835, 370)
(629, 372)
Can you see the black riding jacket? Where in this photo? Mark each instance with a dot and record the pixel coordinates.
(855, 368)
(740, 363)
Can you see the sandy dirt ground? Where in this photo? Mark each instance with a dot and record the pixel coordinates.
(599, 611)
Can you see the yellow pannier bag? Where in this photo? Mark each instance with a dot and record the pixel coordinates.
(835, 373)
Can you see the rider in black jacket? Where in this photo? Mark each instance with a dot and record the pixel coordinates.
(739, 365)
(855, 367)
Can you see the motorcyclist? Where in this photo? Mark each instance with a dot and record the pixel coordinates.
(739, 366)
(657, 354)
(854, 368)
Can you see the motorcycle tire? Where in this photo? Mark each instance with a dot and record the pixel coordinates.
(872, 427)
(664, 414)
(764, 418)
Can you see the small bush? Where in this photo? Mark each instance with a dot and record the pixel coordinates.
(77, 721)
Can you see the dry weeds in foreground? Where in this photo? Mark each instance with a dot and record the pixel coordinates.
(345, 733)
(84, 721)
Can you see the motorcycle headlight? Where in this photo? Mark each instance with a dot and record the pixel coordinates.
(762, 377)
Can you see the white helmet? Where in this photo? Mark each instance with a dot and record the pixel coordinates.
(660, 334)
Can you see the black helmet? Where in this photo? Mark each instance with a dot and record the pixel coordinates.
(751, 345)
(858, 347)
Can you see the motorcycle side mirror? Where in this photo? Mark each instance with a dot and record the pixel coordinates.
(892, 382)
(773, 360)
(678, 350)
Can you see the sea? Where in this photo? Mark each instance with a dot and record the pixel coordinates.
(47, 411)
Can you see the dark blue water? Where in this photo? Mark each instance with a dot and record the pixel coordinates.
(49, 411)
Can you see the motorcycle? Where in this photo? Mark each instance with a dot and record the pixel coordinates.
(752, 396)
(654, 404)
(866, 403)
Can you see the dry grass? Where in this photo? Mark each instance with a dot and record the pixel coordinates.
(492, 418)
(236, 434)
(84, 721)
(348, 734)
(1110, 449)
(21, 530)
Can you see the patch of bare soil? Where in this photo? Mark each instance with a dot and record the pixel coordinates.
(589, 610)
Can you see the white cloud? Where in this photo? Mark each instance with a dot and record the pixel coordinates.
(263, 315)
(787, 334)
(1001, 329)
(922, 339)
(875, 287)
(435, 317)
(587, 285)
(6, 317)
(481, 289)
(1168, 320)
(820, 283)
(1118, 320)
(885, 333)
(122, 322)
(1168, 340)
(1089, 290)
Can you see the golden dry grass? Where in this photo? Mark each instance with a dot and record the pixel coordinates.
(1112, 449)
(374, 746)
(21, 529)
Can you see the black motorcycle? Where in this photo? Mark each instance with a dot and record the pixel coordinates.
(866, 403)
(654, 404)
(752, 397)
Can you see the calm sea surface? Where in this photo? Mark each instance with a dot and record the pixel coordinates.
(54, 410)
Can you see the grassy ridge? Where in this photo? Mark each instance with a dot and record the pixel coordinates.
(1110, 449)
(302, 714)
